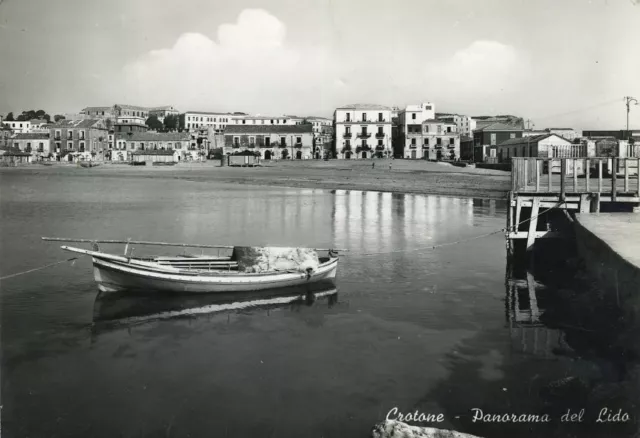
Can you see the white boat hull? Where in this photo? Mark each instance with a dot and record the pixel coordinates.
(113, 276)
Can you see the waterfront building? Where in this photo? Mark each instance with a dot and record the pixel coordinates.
(35, 143)
(622, 134)
(541, 146)
(492, 135)
(246, 119)
(131, 114)
(154, 141)
(362, 131)
(465, 124)
(433, 139)
(322, 135)
(79, 136)
(203, 120)
(466, 148)
(99, 112)
(410, 125)
(11, 156)
(270, 141)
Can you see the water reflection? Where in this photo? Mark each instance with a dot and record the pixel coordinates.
(126, 308)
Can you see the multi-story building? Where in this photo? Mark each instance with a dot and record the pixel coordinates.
(87, 135)
(270, 141)
(99, 112)
(465, 124)
(362, 131)
(492, 135)
(202, 120)
(163, 111)
(247, 119)
(5, 136)
(36, 143)
(432, 139)
(153, 141)
(117, 113)
(410, 122)
(17, 126)
(322, 135)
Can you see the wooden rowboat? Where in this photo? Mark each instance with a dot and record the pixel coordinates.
(201, 274)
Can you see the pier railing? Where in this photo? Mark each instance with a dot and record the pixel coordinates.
(575, 175)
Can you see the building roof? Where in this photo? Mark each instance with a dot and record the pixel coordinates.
(213, 113)
(97, 108)
(31, 136)
(530, 140)
(364, 106)
(154, 152)
(499, 127)
(38, 121)
(465, 138)
(133, 107)
(560, 129)
(82, 123)
(163, 108)
(14, 152)
(269, 129)
(156, 136)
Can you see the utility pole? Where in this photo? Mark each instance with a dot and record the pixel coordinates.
(528, 122)
(628, 100)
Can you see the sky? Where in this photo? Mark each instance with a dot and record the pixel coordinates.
(557, 63)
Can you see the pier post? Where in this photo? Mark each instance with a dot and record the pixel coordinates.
(595, 203)
(614, 179)
(563, 177)
(533, 223)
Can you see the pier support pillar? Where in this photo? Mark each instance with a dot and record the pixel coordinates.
(533, 223)
(595, 203)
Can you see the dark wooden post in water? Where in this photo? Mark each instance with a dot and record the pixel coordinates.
(563, 177)
(614, 178)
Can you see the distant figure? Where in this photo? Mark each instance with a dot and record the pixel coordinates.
(389, 166)
(373, 165)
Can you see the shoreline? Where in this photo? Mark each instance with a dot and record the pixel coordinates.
(404, 177)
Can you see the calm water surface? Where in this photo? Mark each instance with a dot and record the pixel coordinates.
(411, 327)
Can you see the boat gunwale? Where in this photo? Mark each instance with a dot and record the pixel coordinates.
(166, 274)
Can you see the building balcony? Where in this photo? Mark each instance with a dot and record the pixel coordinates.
(283, 145)
(252, 145)
(298, 145)
(379, 148)
(236, 146)
(413, 146)
(380, 135)
(347, 135)
(364, 121)
(364, 135)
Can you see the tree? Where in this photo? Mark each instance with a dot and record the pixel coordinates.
(171, 122)
(58, 117)
(153, 123)
(10, 117)
(108, 123)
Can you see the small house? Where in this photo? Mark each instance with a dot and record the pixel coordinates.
(153, 156)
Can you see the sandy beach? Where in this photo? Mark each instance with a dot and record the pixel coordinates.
(402, 176)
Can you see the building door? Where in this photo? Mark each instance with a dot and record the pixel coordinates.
(347, 155)
(364, 155)
(299, 155)
(413, 155)
(267, 155)
(317, 155)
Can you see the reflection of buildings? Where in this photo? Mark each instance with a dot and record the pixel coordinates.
(374, 222)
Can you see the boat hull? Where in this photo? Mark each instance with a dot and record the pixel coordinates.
(112, 276)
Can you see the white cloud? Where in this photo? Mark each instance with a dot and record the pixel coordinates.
(486, 72)
(249, 68)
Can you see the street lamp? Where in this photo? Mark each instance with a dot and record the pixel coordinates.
(628, 100)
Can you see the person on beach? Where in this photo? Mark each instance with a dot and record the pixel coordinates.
(373, 165)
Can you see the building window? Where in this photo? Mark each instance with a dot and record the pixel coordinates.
(413, 142)
(380, 143)
(69, 135)
(57, 135)
(364, 117)
(58, 146)
(244, 122)
(28, 149)
(428, 107)
(252, 140)
(283, 141)
(426, 129)
(448, 128)
(439, 141)
(413, 116)
(236, 142)
(347, 143)
(348, 117)
(69, 145)
(347, 129)
(426, 142)
(41, 147)
(82, 146)
(380, 132)
(512, 135)
(380, 119)
(452, 141)
(267, 141)
(298, 140)
(364, 131)
(493, 139)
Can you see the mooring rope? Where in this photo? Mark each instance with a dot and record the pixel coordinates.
(38, 269)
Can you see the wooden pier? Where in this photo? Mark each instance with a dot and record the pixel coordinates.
(569, 185)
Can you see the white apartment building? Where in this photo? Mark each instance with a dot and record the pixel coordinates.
(203, 120)
(465, 124)
(433, 139)
(363, 131)
(410, 120)
(267, 120)
(18, 127)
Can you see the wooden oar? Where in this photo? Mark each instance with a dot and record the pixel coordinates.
(142, 242)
